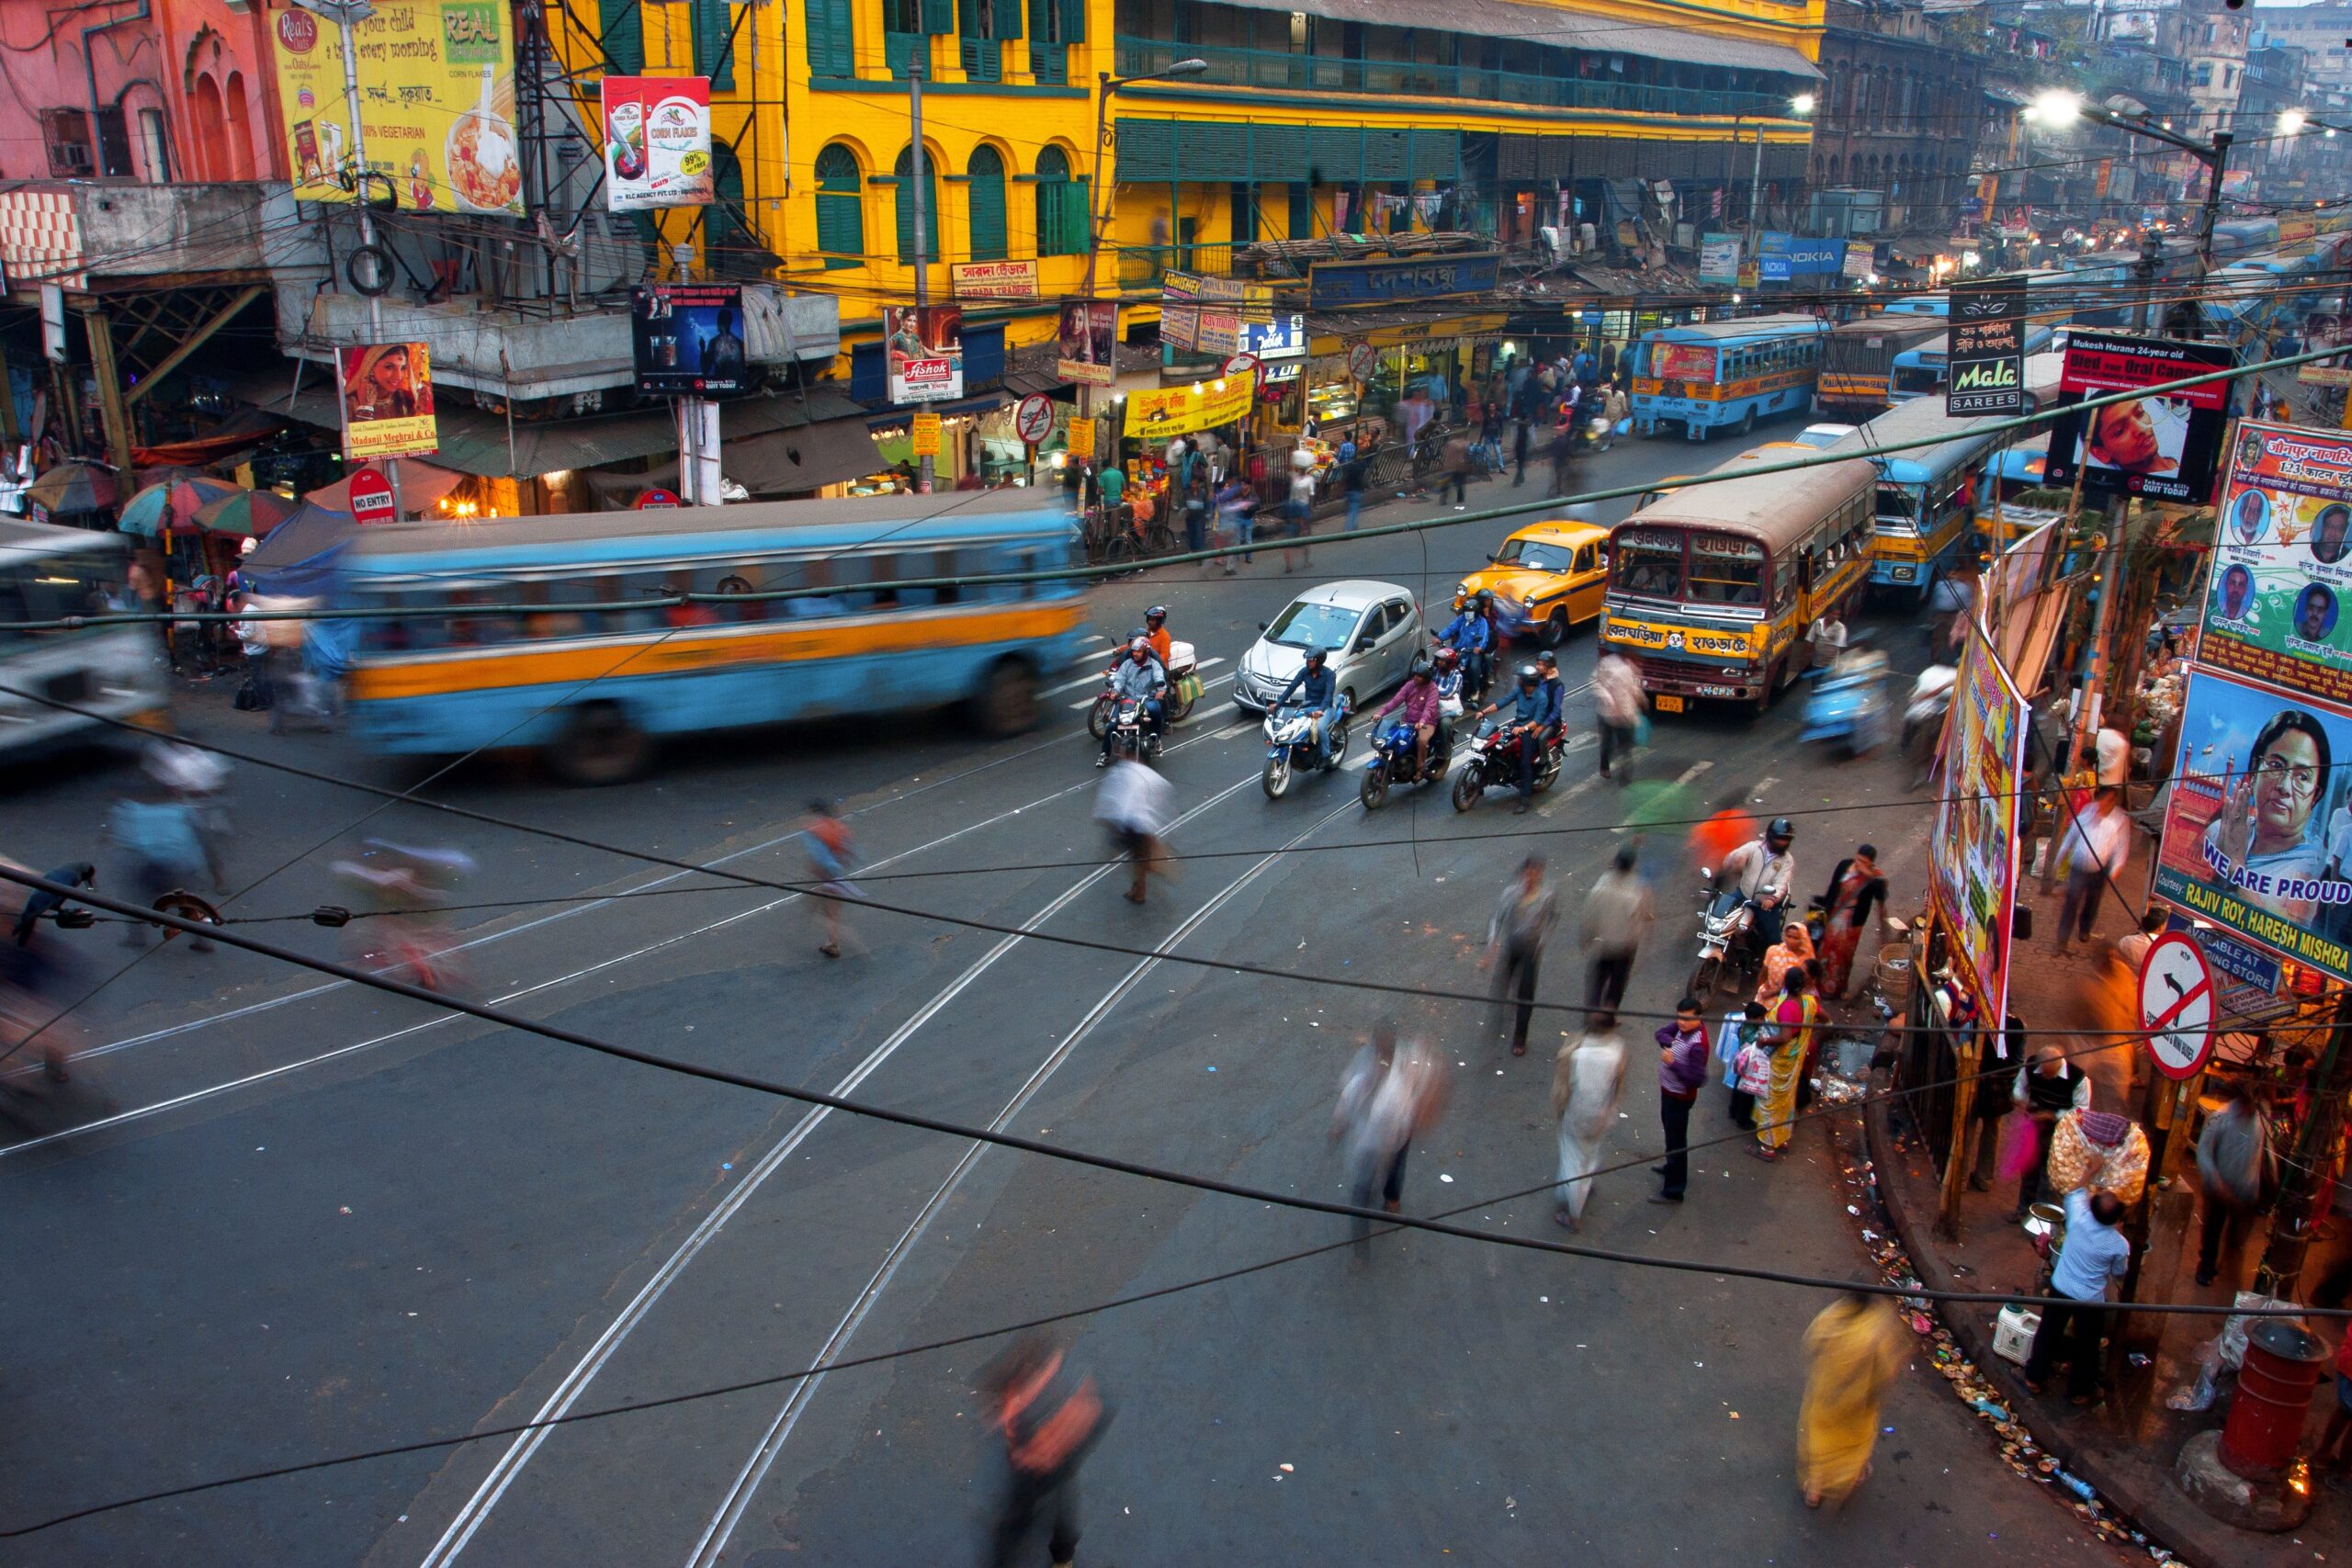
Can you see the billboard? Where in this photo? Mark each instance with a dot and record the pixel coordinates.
(386, 390)
(2164, 447)
(1179, 410)
(1089, 346)
(1987, 350)
(657, 142)
(2329, 327)
(1330, 283)
(2280, 585)
(436, 90)
(923, 351)
(1973, 843)
(2255, 838)
(1719, 259)
(688, 338)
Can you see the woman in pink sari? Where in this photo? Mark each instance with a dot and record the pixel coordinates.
(1856, 887)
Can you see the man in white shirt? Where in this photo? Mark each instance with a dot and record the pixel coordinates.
(2114, 757)
(2096, 843)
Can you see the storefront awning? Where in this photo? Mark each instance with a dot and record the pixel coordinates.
(1331, 331)
(1559, 28)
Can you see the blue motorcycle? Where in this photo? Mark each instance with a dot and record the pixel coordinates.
(1290, 744)
(1848, 705)
(1391, 761)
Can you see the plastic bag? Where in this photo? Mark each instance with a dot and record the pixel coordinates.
(2021, 1146)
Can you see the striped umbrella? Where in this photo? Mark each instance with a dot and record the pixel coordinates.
(250, 512)
(75, 487)
(190, 496)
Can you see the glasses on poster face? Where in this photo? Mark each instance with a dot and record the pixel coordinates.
(2276, 770)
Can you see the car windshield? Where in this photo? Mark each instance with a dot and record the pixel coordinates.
(1307, 625)
(1535, 555)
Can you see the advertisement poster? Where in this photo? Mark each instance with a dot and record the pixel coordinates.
(994, 280)
(2328, 327)
(2279, 604)
(688, 337)
(1090, 337)
(923, 351)
(657, 142)
(1179, 410)
(2164, 447)
(437, 94)
(1719, 259)
(1682, 362)
(386, 401)
(1860, 260)
(1974, 848)
(2259, 830)
(1987, 350)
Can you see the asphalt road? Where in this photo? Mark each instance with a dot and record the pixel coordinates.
(277, 1217)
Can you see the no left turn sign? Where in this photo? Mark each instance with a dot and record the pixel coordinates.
(2177, 1004)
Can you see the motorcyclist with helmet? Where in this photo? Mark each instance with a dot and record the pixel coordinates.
(1317, 691)
(1762, 869)
(1471, 634)
(1526, 723)
(1142, 677)
(1555, 695)
(1155, 630)
(1419, 699)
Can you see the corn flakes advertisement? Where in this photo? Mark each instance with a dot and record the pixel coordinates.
(437, 107)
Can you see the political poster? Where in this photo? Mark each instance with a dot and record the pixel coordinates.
(1089, 346)
(436, 90)
(1179, 410)
(2328, 327)
(923, 351)
(657, 142)
(2257, 838)
(1987, 364)
(1974, 841)
(387, 391)
(2280, 587)
(688, 338)
(2164, 447)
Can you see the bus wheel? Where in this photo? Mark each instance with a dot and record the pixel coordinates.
(1006, 702)
(1747, 424)
(1771, 685)
(599, 746)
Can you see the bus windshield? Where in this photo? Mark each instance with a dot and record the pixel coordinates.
(1897, 510)
(1649, 562)
(1726, 569)
(53, 587)
(1917, 380)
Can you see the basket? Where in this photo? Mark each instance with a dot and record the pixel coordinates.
(1893, 971)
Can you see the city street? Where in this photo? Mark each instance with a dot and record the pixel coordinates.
(277, 1217)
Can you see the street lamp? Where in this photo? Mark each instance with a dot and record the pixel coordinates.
(1800, 108)
(2059, 107)
(2291, 122)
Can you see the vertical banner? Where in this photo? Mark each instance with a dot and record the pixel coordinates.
(657, 142)
(688, 338)
(2164, 448)
(1987, 350)
(1973, 846)
(2278, 590)
(923, 353)
(1090, 336)
(386, 401)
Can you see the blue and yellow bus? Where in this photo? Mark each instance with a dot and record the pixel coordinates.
(1726, 375)
(1920, 372)
(606, 668)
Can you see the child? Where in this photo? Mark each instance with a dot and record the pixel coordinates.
(831, 856)
(1751, 1064)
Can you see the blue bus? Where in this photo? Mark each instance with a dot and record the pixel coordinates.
(1726, 375)
(604, 668)
(1920, 372)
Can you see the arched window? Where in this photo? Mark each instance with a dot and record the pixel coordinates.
(727, 243)
(211, 131)
(241, 129)
(840, 214)
(984, 190)
(1061, 207)
(904, 168)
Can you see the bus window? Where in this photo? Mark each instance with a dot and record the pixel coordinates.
(1725, 570)
(60, 586)
(1784, 590)
(1898, 506)
(1649, 562)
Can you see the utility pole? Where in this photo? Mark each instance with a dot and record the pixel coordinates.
(343, 14)
(2304, 1180)
(698, 472)
(916, 170)
(1754, 198)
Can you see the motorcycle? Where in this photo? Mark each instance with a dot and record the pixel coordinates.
(1923, 719)
(1290, 745)
(1848, 702)
(1132, 735)
(1494, 760)
(1183, 690)
(1392, 761)
(1723, 930)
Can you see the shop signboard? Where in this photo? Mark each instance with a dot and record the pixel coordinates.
(2229, 957)
(1973, 844)
(2162, 447)
(1081, 437)
(2249, 839)
(659, 500)
(923, 434)
(1285, 337)
(436, 89)
(1987, 350)
(688, 338)
(2327, 328)
(1179, 410)
(1201, 330)
(1795, 256)
(1089, 342)
(994, 279)
(923, 351)
(2280, 585)
(657, 142)
(386, 401)
(1719, 259)
(1341, 283)
(1860, 260)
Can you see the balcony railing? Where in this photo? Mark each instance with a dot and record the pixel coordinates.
(1414, 79)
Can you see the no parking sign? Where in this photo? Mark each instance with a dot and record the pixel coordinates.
(2177, 1004)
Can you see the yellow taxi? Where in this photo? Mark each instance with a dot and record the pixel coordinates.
(1554, 569)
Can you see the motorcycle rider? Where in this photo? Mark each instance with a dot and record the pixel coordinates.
(1447, 666)
(1317, 692)
(1555, 695)
(1526, 724)
(1155, 625)
(1419, 698)
(1139, 676)
(1762, 869)
(1471, 634)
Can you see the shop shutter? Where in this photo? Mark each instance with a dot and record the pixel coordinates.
(1211, 151)
(832, 41)
(1338, 156)
(985, 193)
(939, 15)
(841, 215)
(622, 36)
(1384, 154)
(1073, 20)
(905, 194)
(1437, 155)
(714, 30)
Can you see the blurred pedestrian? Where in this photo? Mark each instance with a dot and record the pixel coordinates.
(1588, 1075)
(1618, 705)
(1457, 468)
(832, 856)
(1388, 1094)
(1236, 513)
(1790, 1043)
(1520, 432)
(1561, 451)
(163, 850)
(1355, 470)
(1856, 887)
(1515, 937)
(2095, 845)
(2132, 951)
(2236, 1171)
(1198, 503)
(2095, 1252)
(1133, 803)
(1301, 512)
(1682, 1070)
(1852, 1351)
(37, 904)
(1050, 1418)
(2045, 1089)
(1617, 915)
(1614, 408)
(1729, 827)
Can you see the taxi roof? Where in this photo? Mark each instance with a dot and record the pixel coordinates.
(1576, 530)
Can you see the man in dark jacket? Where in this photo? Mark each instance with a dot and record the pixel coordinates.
(1682, 1068)
(1050, 1416)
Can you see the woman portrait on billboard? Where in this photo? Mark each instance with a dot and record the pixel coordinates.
(2271, 826)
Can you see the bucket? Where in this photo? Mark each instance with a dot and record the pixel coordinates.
(1892, 972)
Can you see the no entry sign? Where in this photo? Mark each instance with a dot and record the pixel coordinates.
(371, 497)
(1034, 420)
(2177, 1004)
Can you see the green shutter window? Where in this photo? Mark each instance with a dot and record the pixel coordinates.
(905, 193)
(621, 35)
(1061, 207)
(984, 189)
(714, 30)
(939, 15)
(1302, 211)
(840, 213)
(1008, 20)
(1048, 60)
(831, 43)
(976, 35)
(1073, 20)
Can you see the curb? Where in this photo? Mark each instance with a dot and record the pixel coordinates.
(2164, 1517)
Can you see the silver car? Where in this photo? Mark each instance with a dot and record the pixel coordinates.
(1369, 630)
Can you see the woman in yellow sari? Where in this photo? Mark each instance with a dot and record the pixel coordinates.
(1852, 1352)
(1790, 1043)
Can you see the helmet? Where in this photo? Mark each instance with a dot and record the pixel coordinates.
(1529, 675)
(1445, 655)
(1139, 645)
(1780, 832)
(1156, 613)
(1486, 599)
(1315, 656)
(1548, 658)
(1422, 667)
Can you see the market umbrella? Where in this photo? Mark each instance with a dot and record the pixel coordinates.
(75, 487)
(253, 512)
(423, 485)
(192, 495)
(143, 513)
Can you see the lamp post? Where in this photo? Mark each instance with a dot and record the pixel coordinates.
(2060, 108)
(1801, 106)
